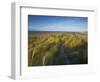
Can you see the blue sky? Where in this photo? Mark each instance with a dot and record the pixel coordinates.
(57, 23)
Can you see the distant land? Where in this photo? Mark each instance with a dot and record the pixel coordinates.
(53, 32)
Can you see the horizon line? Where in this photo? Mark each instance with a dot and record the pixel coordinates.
(56, 31)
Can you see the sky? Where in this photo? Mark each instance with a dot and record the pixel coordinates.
(57, 23)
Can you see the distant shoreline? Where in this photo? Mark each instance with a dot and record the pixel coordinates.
(57, 32)
(53, 32)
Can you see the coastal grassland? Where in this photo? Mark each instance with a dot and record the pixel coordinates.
(57, 48)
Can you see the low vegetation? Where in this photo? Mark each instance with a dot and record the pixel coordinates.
(62, 48)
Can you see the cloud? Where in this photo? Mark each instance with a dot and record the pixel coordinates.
(61, 28)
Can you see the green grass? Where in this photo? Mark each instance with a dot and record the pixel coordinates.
(57, 49)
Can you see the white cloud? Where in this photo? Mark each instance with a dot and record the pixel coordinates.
(59, 27)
